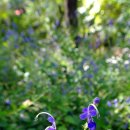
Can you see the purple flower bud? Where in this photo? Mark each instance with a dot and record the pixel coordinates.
(109, 103)
(51, 119)
(92, 125)
(96, 100)
(7, 102)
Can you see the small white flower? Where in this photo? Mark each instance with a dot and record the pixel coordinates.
(126, 62)
(118, 58)
(129, 55)
(114, 61)
(108, 60)
(85, 67)
(125, 50)
(26, 74)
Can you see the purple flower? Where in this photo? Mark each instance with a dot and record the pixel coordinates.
(50, 119)
(7, 102)
(110, 22)
(92, 125)
(96, 100)
(109, 104)
(90, 112)
(84, 116)
(128, 100)
(98, 42)
(128, 23)
(115, 101)
(57, 23)
(14, 25)
(30, 30)
(50, 128)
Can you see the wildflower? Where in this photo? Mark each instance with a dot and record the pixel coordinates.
(128, 100)
(126, 62)
(50, 119)
(115, 101)
(91, 124)
(7, 102)
(96, 100)
(98, 42)
(19, 12)
(109, 104)
(57, 23)
(125, 50)
(22, 116)
(110, 22)
(85, 67)
(27, 103)
(90, 112)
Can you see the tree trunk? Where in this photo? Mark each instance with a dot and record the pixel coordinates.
(72, 12)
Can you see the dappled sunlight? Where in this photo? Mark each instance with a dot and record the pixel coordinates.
(69, 58)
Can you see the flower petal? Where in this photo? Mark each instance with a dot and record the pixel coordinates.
(85, 109)
(51, 119)
(92, 111)
(92, 125)
(96, 100)
(83, 116)
(50, 128)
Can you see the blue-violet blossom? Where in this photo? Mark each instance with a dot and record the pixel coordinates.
(90, 112)
(50, 119)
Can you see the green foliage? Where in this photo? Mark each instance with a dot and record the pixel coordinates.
(41, 70)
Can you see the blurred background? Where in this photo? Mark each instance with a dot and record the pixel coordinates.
(57, 55)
